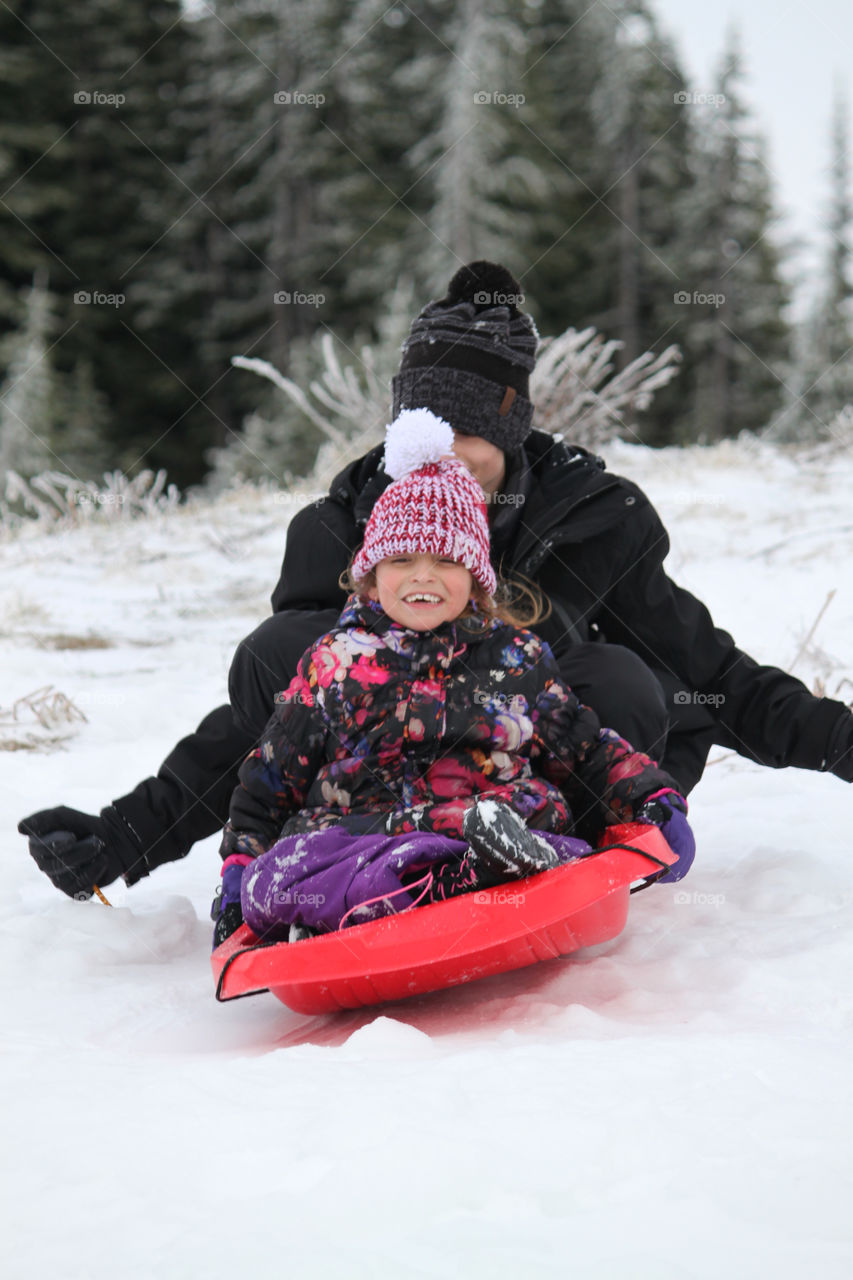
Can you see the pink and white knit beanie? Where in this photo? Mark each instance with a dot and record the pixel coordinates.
(434, 506)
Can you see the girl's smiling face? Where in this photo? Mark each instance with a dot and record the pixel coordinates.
(420, 591)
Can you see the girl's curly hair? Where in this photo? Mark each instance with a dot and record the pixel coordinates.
(516, 602)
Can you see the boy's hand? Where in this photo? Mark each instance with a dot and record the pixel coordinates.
(78, 850)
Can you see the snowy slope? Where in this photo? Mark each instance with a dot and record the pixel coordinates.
(673, 1105)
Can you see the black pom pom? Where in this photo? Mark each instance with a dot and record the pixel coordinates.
(485, 284)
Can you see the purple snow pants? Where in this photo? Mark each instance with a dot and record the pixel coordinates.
(320, 877)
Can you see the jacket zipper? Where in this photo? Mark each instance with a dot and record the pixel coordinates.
(532, 562)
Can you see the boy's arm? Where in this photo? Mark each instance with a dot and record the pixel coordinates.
(276, 776)
(612, 783)
(763, 712)
(320, 541)
(603, 778)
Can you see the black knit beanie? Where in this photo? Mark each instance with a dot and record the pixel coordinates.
(469, 356)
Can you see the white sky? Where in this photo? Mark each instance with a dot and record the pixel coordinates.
(794, 54)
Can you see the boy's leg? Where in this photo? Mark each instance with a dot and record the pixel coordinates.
(622, 691)
(692, 732)
(643, 706)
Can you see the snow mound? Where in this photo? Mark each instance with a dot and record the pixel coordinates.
(386, 1039)
(88, 938)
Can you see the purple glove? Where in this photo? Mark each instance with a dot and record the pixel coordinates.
(226, 909)
(668, 810)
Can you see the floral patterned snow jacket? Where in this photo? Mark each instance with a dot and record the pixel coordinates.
(386, 728)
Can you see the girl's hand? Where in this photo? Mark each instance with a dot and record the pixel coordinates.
(226, 908)
(668, 810)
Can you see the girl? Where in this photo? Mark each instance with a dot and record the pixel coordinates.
(425, 740)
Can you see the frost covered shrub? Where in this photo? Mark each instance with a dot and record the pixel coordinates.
(53, 499)
(577, 394)
(341, 408)
(574, 388)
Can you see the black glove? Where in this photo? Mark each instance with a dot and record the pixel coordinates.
(77, 850)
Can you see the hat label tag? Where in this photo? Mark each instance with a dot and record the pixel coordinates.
(506, 403)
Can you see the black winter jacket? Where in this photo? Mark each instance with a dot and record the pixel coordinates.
(595, 545)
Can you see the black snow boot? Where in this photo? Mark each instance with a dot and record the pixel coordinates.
(502, 846)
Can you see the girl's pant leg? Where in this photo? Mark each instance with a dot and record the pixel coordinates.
(318, 878)
(565, 847)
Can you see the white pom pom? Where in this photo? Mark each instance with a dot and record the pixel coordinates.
(415, 437)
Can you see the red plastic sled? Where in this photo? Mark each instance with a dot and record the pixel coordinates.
(448, 943)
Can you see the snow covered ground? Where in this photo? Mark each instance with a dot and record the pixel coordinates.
(673, 1105)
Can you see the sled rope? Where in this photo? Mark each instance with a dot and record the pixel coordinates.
(630, 848)
(386, 897)
(98, 892)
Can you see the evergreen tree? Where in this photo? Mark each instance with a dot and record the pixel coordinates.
(26, 134)
(80, 435)
(202, 197)
(556, 258)
(601, 126)
(729, 305)
(27, 396)
(255, 106)
(824, 375)
(375, 187)
(644, 142)
(478, 157)
(97, 203)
